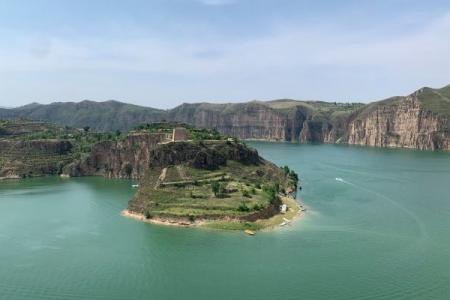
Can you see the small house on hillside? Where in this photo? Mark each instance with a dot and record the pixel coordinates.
(179, 134)
(283, 208)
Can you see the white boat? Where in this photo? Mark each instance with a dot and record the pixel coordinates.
(135, 185)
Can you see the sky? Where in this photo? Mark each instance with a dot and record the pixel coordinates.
(162, 53)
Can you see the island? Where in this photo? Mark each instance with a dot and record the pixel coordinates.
(184, 176)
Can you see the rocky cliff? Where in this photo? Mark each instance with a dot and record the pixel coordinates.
(248, 121)
(134, 155)
(420, 120)
(405, 122)
(125, 158)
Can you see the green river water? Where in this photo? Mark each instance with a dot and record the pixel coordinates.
(377, 227)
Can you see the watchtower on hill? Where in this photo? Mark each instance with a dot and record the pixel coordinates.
(179, 134)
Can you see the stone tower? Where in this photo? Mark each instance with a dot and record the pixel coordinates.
(179, 134)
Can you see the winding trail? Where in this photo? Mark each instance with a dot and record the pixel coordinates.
(161, 178)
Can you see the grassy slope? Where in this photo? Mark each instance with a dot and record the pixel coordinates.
(436, 100)
(176, 199)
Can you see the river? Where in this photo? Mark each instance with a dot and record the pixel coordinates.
(377, 227)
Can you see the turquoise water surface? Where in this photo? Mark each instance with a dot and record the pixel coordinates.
(377, 227)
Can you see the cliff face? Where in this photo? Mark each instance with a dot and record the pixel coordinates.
(400, 123)
(246, 121)
(205, 155)
(419, 121)
(127, 158)
(132, 157)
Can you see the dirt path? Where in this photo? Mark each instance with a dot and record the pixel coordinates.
(182, 173)
(161, 177)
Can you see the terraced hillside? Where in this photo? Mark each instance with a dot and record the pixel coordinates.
(29, 148)
(217, 180)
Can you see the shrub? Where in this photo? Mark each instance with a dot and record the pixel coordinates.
(293, 175)
(215, 187)
(276, 187)
(257, 207)
(253, 191)
(245, 193)
(148, 215)
(243, 207)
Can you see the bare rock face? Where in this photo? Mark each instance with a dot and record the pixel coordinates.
(400, 123)
(132, 157)
(246, 121)
(128, 158)
(204, 155)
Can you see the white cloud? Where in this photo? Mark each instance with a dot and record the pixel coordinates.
(285, 56)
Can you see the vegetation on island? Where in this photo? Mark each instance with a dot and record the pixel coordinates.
(193, 133)
(30, 148)
(238, 191)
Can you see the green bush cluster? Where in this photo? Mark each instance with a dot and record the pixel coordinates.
(243, 207)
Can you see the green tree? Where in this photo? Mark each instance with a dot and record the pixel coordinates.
(215, 187)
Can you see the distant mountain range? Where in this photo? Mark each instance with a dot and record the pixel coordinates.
(419, 120)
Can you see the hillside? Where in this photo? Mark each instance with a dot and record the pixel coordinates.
(213, 180)
(100, 116)
(419, 120)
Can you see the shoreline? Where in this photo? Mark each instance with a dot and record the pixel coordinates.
(161, 221)
(295, 211)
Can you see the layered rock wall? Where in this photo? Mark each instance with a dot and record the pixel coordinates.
(128, 158)
(401, 124)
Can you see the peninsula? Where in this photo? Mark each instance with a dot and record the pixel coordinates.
(187, 176)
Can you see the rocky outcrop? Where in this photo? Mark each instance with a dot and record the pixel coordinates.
(132, 157)
(204, 155)
(126, 158)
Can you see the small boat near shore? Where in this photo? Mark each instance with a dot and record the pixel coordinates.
(135, 185)
(249, 232)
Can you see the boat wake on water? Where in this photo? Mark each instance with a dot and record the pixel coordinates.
(411, 214)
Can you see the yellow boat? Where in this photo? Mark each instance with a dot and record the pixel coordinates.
(249, 232)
